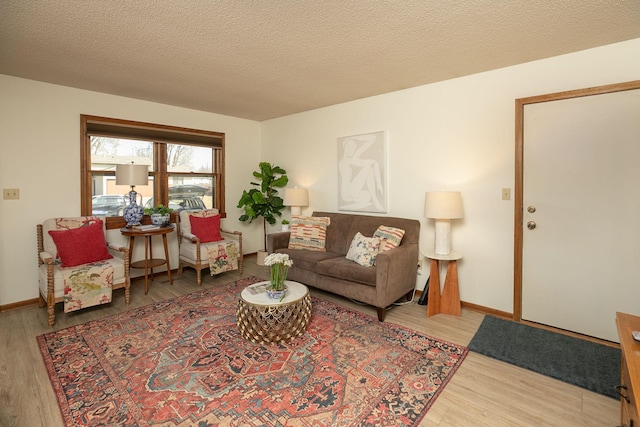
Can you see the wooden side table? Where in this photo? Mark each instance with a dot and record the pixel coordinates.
(449, 302)
(149, 262)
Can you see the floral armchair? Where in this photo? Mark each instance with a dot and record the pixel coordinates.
(77, 266)
(204, 245)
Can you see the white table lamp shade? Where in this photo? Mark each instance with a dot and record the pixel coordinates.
(296, 197)
(443, 206)
(130, 174)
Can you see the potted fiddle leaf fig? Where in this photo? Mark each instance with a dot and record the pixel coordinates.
(263, 201)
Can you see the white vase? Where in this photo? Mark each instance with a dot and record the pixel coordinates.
(285, 227)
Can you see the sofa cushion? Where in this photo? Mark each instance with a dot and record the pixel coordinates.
(308, 233)
(339, 233)
(363, 250)
(307, 260)
(342, 268)
(390, 237)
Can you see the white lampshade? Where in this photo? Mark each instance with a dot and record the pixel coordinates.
(443, 204)
(130, 174)
(296, 197)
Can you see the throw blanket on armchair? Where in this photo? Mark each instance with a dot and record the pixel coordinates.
(223, 256)
(87, 285)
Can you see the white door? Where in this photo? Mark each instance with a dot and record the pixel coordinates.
(581, 217)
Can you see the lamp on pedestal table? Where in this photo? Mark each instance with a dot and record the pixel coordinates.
(296, 197)
(130, 174)
(443, 206)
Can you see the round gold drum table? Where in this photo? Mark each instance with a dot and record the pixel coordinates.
(265, 320)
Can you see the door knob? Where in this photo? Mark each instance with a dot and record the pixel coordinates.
(531, 209)
(531, 225)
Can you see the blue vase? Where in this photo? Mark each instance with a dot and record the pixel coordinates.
(133, 212)
(160, 219)
(279, 295)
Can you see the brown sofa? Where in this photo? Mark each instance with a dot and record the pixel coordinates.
(393, 276)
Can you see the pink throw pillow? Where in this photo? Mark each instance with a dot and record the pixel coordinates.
(81, 245)
(207, 229)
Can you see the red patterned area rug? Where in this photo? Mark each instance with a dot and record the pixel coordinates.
(183, 362)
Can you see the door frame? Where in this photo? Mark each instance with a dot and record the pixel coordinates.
(520, 104)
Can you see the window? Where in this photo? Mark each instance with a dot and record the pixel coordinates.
(186, 166)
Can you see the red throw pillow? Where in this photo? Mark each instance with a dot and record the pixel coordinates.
(81, 245)
(207, 229)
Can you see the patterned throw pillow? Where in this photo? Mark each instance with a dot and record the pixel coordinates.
(390, 237)
(363, 250)
(309, 232)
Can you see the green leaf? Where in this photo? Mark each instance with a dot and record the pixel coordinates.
(258, 197)
(280, 182)
(276, 201)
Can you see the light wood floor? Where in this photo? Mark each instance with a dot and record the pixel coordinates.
(484, 391)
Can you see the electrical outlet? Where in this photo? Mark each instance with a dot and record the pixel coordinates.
(10, 193)
(506, 194)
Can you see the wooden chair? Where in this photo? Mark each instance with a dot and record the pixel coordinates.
(50, 271)
(193, 253)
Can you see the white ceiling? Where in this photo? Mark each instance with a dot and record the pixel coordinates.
(270, 58)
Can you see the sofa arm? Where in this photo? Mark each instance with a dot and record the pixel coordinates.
(277, 241)
(397, 270)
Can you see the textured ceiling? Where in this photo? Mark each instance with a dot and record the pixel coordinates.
(270, 58)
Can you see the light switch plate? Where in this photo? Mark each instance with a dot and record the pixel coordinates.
(10, 193)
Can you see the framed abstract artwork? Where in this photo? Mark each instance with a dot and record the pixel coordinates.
(362, 181)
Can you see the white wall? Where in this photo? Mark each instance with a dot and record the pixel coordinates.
(457, 135)
(40, 155)
(453, 135)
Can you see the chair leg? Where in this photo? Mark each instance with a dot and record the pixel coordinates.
(127, 291)
(381, 313)
(199, 276)
(51, 310)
